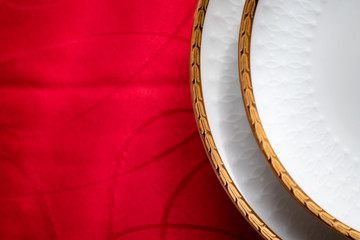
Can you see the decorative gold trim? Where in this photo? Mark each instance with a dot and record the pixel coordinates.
(205, 133)
(259, 133)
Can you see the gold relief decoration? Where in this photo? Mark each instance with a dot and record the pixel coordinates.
(205, 132)
(259, 133)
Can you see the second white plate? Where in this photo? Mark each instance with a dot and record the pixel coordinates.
(304, 66)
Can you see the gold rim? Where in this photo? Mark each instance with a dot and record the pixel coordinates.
(259, 133)
(205, 132)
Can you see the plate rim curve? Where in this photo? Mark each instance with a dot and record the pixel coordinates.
(205, 133)
(259, 133)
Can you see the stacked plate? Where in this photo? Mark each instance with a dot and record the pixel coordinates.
(275, 94)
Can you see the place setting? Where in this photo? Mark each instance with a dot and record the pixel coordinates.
(274, 92)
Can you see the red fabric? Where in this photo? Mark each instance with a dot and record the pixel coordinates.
(98, 138)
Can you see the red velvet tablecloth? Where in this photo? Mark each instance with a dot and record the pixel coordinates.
(98, 138)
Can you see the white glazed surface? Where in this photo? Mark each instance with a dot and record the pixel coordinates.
(232, 134)
(305, 74)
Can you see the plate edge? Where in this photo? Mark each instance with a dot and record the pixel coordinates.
(260, 136)
(205, 132)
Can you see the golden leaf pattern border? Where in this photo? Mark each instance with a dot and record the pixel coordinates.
(205, 132)
(259, 133)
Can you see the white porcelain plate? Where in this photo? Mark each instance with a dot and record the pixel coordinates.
(262, 193)
(305, 74)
